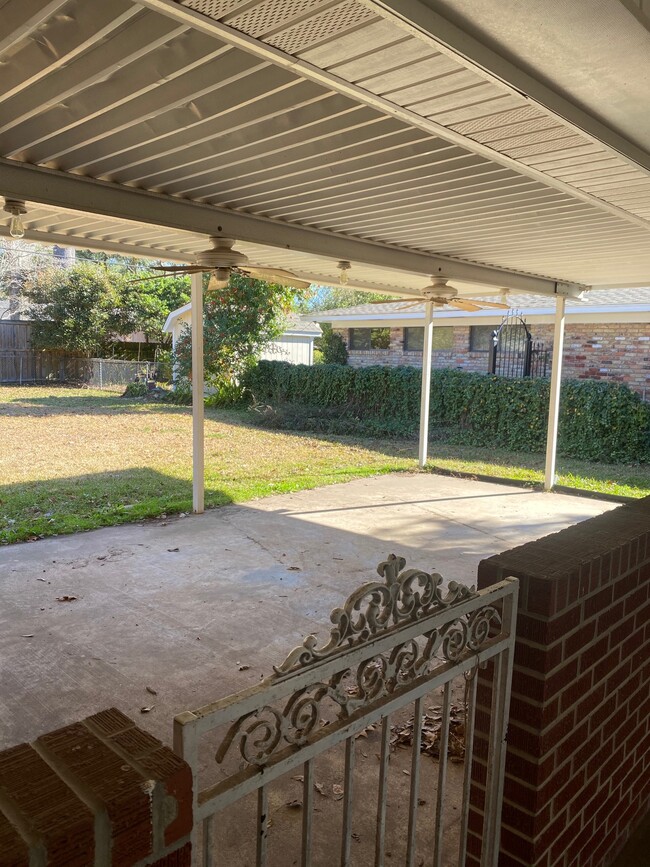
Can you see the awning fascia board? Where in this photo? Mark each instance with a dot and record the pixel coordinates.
(50, 187)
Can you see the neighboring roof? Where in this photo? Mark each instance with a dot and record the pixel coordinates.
(302, 325)
(597, 301)
(297, 326)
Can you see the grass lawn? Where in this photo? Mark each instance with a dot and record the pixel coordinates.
(75, 459)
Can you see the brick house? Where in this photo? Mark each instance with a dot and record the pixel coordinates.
(607, 335)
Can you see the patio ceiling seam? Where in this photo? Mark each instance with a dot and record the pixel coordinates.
(309, 71)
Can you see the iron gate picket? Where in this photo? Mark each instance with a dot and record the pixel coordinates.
(393, 643)
(513, 352)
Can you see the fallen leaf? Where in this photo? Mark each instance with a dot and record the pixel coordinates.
(355, 836)
(147, 709)
(244, 667)
(173, 550)
(65, 598)
(421, 802)
(408, 773)
(294, 569)
(299, 778)
(44, 580)
(320, 788)
(151, 690)
(29, 635)
(338, 791)
(294, 805)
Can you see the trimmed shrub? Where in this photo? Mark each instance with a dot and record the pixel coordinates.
(331, 347)
(598, 421)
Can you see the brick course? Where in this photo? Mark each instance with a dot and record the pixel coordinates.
(578, 763)
(98, 789)
(609, 352)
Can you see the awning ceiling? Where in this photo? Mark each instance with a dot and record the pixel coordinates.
(316, 130)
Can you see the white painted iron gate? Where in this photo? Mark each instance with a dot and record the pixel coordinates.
(393, 644)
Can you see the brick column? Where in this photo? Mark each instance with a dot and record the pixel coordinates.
(98, 791)
(578, 763)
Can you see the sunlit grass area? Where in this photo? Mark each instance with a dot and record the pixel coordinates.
(76, 459)
(617, 479)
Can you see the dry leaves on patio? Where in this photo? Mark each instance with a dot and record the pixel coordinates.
(402, 733)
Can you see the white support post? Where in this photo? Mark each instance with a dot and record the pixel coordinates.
(554, 403)
(198, 481)
(426, 382)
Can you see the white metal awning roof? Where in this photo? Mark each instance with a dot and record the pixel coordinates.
(409, 137)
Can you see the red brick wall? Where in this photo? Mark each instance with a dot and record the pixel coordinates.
(614, 353)
(101, 788)
(578, 763)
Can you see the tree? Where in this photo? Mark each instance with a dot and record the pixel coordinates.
(331, 345)
(239, 321)
(86, 308)
(76, 309)
(331, 297)
(147, 304)
(19, 260)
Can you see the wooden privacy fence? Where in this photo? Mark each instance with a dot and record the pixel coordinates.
(21, 366)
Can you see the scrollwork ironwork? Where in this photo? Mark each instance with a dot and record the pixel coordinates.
(405, 596)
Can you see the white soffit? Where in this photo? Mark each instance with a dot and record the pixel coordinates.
(311, 114)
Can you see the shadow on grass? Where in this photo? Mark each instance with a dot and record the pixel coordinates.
(47, 507)
(110, 403)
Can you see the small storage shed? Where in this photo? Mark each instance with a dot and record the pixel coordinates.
(295, 345)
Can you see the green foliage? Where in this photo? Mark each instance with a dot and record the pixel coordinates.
(146, 304)
(226, 394)
(75, 309)
(331, 297)
(598, 421)
(239, 321)
(136, 389)
(87, 308)
(181, 394)
(331, 347)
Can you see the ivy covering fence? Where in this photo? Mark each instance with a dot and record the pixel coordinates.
(598, 421)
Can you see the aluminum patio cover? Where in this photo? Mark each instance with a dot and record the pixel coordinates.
(505, 143)
(502, 143)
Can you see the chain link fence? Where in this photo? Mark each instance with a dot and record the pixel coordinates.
(25, 366)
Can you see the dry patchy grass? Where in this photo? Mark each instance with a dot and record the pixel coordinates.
(76, 458)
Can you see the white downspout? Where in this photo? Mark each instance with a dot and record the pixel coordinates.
(426, 383)
(554, 403)
(198, 475)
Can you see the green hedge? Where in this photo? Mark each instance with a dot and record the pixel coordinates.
(598, 421)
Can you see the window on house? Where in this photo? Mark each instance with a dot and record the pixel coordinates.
(480, 338)
(443, 338)
(369, 338)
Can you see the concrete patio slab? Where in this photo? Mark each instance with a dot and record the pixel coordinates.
(181, 605)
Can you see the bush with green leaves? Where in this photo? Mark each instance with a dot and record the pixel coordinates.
(136, 389)
(240, 320)
(598, 421)
(330, 346)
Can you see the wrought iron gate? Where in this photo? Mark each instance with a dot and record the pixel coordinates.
(514, 353)
(392, 644)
